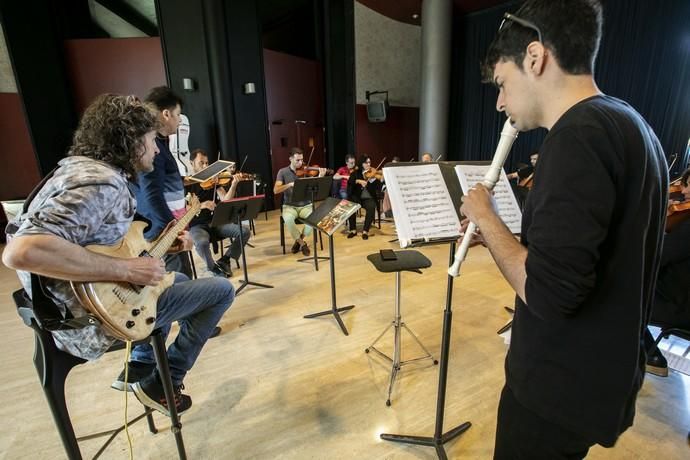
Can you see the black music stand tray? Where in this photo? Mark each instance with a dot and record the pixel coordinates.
(412, 261)
(439, 438)
(313, 189)
(235, 211)
(313, 219)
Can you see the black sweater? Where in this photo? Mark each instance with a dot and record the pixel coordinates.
(673, 284)
(593, 226)
(354, 190)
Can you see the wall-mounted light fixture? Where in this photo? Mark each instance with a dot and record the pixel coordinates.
(249, 88)
(188, 84)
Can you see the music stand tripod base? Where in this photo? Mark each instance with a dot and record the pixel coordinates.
(439, 438)
(314, 258)
(238, 210)
(334, 310)
(407, 261)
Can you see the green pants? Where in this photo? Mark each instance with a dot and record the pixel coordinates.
(290, 213)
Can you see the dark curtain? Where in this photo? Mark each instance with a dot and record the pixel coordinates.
(644, 59)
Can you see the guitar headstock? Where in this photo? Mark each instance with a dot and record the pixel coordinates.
(193, 201)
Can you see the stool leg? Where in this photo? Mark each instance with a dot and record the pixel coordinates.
(52, 372)
(371, 347)
(428, 354)
(282, 233)
(164, 371)
(397, 343)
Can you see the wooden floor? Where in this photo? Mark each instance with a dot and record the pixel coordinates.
(275, 385)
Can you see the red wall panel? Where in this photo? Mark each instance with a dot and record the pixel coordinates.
(293, 92)
(19, 173)
(113, 65)
(397, 136)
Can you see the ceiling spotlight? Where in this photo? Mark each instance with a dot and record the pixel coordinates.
(415, 16)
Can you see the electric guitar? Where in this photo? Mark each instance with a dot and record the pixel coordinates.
(128, 311)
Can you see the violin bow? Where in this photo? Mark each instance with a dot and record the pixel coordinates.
(384, 159)
(310, 154)
(243, 162)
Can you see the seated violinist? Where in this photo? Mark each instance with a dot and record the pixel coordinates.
(343, 174)
(362, 187)
(285, 181)
(427, 158)
(200, 227)
(671, 307)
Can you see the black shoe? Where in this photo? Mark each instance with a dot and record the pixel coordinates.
(137, 371)
(365, 236)
(223, 265)
(657, 364)
(150, 393)
(352, 234)
(295, 247)
(305, 250)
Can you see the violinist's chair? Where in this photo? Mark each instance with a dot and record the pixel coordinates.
(298, 221)
(667, 331)
(53, 366)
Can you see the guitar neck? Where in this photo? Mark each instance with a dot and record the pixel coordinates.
(166, 241)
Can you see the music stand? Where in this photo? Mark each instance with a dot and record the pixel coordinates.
(439, 438)
(235, 211)
(312, 220)
(312, 189)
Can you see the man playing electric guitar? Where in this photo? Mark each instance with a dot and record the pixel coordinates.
(88, 201)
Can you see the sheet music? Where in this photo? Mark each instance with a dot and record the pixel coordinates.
(421, 204)
(508, 208)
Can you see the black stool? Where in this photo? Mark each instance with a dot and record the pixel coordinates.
(53, 365)
(412, 261)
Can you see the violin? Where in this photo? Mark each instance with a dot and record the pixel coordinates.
(311, 171)
(527, 182)
(374, 173)
(221, 180)
(245, 176)
(677, 213)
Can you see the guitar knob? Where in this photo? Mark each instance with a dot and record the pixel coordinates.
(135, 311)
(129, 324)
(150, 320)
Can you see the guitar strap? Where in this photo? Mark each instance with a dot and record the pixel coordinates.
(47, 314)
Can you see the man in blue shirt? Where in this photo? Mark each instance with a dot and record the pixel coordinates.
(160, 193)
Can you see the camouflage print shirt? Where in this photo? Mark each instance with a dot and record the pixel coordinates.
(85, 202)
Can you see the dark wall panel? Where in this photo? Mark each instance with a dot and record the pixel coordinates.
(245, 55)
(113, 65)
(644, 59)
(181, 24)
(338, 57)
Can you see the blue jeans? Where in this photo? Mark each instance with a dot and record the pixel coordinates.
(197, 305)
(343, 193)
(201, 235)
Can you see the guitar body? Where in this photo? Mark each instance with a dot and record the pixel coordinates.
(126, 311)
